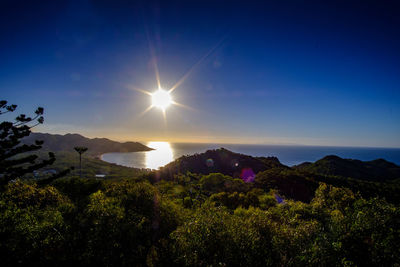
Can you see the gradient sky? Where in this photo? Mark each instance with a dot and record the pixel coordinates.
(282, 72)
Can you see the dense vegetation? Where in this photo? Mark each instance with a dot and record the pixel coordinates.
(197, 220)
(218, 208)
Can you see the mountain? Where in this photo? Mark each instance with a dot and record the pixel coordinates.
(219, 160)
(369, 178)
(96, 146)
(378, 170)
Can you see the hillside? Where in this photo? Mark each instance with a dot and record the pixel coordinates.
(96, 146)
(370, 178)
(219, 160)
(91, 166)
(378, 170)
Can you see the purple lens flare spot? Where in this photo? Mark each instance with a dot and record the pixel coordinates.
(247, 175)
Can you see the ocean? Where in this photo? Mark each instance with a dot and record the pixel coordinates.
(166, 152)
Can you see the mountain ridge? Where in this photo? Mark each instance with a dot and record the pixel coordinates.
(96, 146)
(218, 160)
(378, 170)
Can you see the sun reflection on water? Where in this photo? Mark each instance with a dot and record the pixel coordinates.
(160, 156)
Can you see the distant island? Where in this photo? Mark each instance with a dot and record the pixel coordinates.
(96, 146)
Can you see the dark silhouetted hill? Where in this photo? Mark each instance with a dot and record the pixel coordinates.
(96, 146)
(218, 160)
(290, 183)
(378, 170)
(369, 178)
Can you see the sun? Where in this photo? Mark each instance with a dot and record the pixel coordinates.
(161, 99)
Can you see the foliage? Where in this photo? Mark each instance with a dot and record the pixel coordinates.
(13, 162)
(354, 229)
(289, 182)
(125, 221)
(32, 227)
(130, 222)
(254, 198)
(217, 182)
(213, 236)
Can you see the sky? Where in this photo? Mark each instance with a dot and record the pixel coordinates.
(276, 72)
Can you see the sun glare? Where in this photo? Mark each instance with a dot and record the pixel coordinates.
(161, 155)
(161, 99)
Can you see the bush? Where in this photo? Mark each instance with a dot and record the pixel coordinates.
(212, 236)
(32, 226)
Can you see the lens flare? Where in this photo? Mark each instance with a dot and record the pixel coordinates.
(248, 175)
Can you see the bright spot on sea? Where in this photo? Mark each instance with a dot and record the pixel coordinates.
(160, 156)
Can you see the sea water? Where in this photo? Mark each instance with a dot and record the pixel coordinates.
(165, 152)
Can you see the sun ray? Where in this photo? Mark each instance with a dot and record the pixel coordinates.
(145, 111)
(143, 91)
(138, 89)
(153, 59)
(191, 69)
(157, 73)
(165, 117)
(183, 106)
(162, 98)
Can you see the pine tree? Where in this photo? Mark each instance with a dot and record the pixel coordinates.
(80, 150)
(15, 161)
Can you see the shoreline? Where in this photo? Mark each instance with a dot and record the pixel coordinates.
(288, 155)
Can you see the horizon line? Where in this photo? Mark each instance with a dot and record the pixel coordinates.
(229, 143)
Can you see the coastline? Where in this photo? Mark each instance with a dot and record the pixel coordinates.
(288, 155)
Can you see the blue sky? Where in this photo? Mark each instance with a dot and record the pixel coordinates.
(283, 72)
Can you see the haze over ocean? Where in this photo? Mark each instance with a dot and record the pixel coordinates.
(288, 154)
